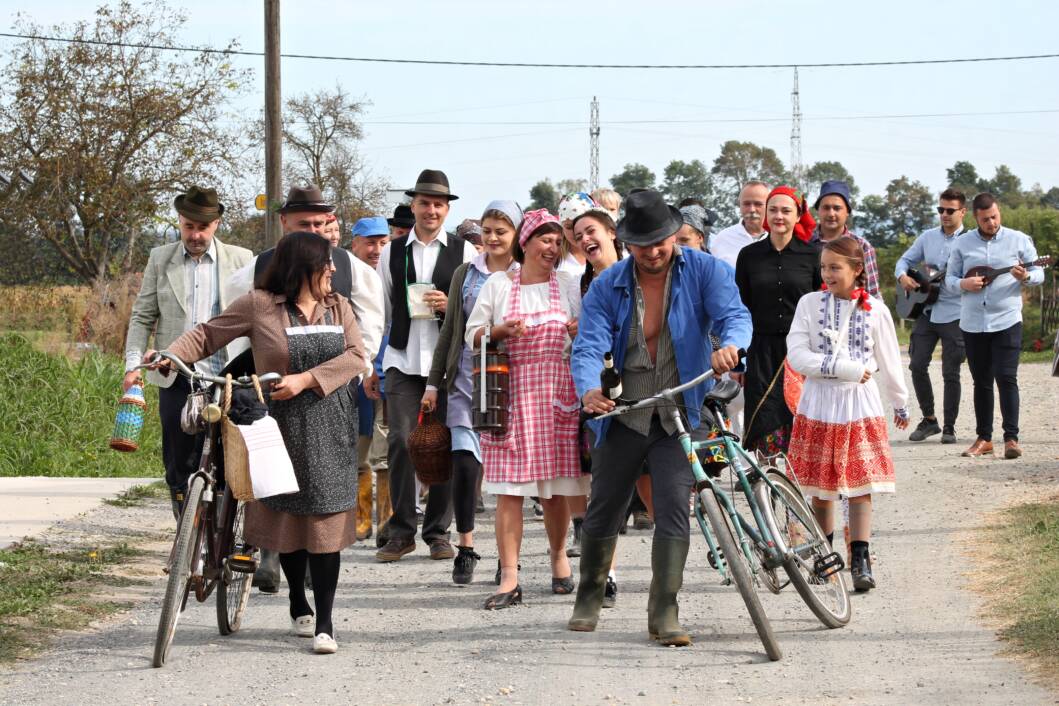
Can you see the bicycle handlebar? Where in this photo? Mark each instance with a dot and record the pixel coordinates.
(191, 374)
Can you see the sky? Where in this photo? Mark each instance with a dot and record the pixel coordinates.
(465, 107)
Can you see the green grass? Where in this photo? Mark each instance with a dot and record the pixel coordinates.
(42, 591)
(56, 416)
(138, 494)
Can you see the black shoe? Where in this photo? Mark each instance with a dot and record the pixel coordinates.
(860, 570)
(382, 537)
(575, 541)
(610, 593)
(497, 601)
(564, 586)
(479, 506)
(463, 565)
(496, 579)
(948, 435)
(538, 510)
(642, 521)
(927, 427)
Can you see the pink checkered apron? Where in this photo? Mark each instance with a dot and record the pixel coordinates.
(541, 438)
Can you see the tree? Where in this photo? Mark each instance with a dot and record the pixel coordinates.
(544, 195)
(740, 162)
(825, 171)
(910, 207)
(964, 176)
(571, 186)
(872, 220)
(1005, 186)
(1051, 198)
(96, 139)
(692, 179)
(633, 176)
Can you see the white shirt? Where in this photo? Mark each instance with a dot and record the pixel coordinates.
(492, 305)
(571, 266)
(727, 243)
(418, 354)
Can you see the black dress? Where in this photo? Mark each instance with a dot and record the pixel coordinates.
(770, 284)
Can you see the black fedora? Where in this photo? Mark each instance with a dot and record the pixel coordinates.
(432, 182)
(648, 219)
(199, 205)
(305, 198)
(402, 217)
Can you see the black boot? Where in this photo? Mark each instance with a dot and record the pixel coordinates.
(596, 556)
(575, 539)
(668, 556)
(860, 569)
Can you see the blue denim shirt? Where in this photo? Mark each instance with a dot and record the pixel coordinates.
(933, 247)
(999, 305)
(702, 298)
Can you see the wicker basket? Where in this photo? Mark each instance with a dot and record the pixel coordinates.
(236, 456)
(430, 446)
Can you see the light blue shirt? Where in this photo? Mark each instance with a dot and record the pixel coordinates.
(933, 247)
(997, 306)
(203, 301)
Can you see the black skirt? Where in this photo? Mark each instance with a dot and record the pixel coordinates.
(764, 360)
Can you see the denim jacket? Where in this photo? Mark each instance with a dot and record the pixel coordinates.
(703, 298)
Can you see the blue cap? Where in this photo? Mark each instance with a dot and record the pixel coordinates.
(371, 227)
(835, 187)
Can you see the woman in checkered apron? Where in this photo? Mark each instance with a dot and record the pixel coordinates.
(534, 313)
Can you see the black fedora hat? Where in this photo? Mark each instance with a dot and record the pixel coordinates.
(402, 217)
(432, 182)
(305, 198)
(648, 219)
(199, 205)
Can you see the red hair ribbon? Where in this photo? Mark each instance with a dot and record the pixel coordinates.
(806, 224)
(861, 295)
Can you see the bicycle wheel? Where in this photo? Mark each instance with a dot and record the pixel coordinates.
(233, 588)
(792, 523)
(739, 573)
(176, 590)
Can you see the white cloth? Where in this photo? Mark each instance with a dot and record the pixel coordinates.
(571, 266)
(367, 300)
(492, 305)
(418, 355)
(726, 244)
(542, 488)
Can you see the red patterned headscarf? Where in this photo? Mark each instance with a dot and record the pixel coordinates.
(806, 224)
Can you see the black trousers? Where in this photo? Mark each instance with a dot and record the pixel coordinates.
(403, 396)
(617, 463)
(924, 340)
(180, 451)
(994, 357)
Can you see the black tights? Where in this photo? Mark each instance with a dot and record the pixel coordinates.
(465, 469)
(324, 570)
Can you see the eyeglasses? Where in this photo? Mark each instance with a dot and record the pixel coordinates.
(947, 211)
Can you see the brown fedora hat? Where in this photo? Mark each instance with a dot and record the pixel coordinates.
(432, 182)
(199, 205)
(305, 198)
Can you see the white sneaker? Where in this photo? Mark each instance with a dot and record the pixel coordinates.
(324, 644)
(303, 626)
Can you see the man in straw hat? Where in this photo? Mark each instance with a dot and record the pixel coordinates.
(650, 311)
(181, 289)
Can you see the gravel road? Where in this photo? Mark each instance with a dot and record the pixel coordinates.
(408, 636)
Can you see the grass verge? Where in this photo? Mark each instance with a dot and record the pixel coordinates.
(1022, 557)
(43, 590)
(138, 494)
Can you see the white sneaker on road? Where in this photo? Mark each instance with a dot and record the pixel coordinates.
(303, 626)
(324, 644)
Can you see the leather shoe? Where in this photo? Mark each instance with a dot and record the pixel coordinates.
(441, 549)
(980, 447)
(1012, 449)
(498, 601)
(395, 549)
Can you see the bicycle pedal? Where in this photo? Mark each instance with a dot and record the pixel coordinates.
(243, 563)
(828, 565)
(712, 559)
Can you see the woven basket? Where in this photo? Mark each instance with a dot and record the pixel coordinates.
(430, 446)
(236, 456)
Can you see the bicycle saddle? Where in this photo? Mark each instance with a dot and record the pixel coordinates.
(724, 391)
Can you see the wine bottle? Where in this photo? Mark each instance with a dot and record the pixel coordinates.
(610, 378)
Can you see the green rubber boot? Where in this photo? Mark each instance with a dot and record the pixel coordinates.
(596, 556)
(668, 556)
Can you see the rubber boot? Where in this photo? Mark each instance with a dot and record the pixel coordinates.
(383, 509)
(596, 556)
(363, 505)
(668, 556)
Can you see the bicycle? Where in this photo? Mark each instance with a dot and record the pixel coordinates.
(209, 551)
(783, 531)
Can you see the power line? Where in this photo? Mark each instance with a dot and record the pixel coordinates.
(530, 65)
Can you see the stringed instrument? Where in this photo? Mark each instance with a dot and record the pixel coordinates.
(911, 305)
(988, 274)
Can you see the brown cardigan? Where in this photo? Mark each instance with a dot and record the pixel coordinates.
(263, 317)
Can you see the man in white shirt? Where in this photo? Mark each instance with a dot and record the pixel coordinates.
(727, 243)
(425, 256)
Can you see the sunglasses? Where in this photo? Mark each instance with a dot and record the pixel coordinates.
(947, 211)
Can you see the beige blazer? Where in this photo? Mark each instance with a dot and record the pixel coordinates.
(159, 308)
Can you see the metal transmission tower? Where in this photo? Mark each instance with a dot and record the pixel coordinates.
(797, 168)
(593, 146)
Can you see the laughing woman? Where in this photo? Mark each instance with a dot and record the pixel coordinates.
(534, 313)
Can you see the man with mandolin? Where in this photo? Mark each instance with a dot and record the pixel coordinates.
(991, 264)
(935, 306)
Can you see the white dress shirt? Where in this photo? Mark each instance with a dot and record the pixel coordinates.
(727, 243)
(417, 356)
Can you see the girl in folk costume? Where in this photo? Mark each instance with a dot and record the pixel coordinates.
(843, 341)
(534, 313)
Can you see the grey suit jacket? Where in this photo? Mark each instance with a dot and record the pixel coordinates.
(159, 308)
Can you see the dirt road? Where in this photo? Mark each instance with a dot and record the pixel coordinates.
(407, 635)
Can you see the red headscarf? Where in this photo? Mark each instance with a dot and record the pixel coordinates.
(805, 226)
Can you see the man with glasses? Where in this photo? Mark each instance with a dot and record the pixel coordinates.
(727, 243)
(939, 321)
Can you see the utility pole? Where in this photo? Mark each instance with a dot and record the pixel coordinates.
(797, 168)
(593, 146)
(273, 123)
